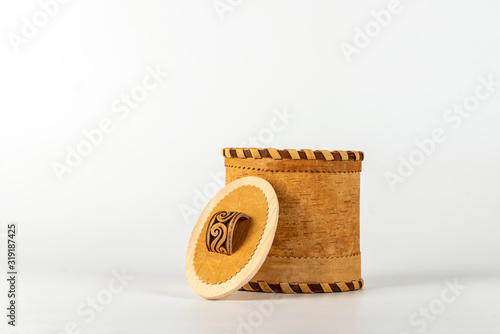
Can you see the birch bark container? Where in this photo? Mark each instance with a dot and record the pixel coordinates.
(316, 245)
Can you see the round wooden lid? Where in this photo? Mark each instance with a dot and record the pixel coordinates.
(232, 237)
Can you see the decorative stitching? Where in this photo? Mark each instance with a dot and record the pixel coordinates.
(286, 287)
(313, 257)
(272, 153)
(290, 171)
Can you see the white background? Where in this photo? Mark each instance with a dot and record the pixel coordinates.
(121, 207)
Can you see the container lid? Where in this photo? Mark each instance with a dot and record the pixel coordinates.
(232, 237)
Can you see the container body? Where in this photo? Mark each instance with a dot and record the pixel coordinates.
(316, 247)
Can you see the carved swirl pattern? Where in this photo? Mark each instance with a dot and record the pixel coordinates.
(220, 231)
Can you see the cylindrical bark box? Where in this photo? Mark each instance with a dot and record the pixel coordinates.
(316, 245)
